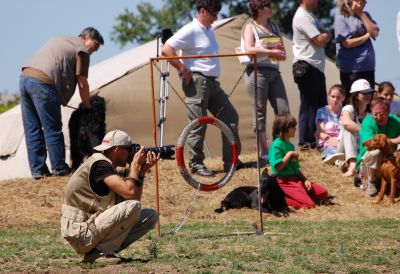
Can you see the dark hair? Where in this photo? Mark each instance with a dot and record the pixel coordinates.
(210, 5)
(92, 33)
(353, 100)
(255, 5)
(281, 125)
(340, 88)
(380, 101)
(385, 84)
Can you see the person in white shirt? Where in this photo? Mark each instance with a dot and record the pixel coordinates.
(200, 85)
(309, 40)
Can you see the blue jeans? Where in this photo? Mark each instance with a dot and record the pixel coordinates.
(41, 116)
(328, 151)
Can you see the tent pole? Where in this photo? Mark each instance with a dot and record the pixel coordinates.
(155, 142)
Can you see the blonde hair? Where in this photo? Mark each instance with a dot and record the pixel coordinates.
(343, 7)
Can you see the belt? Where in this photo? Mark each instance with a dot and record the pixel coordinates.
(200, 73)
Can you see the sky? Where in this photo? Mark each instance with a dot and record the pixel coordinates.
(25, 25)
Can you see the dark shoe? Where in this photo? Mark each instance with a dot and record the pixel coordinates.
(357, 181)
(41, 176)
(203, 171)
(96, 256)
(65, 172)
(307, 146)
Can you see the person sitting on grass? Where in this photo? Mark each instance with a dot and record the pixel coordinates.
(327, 121)
(387, 91)
(284, 161)
(352, 115)
(380, 121)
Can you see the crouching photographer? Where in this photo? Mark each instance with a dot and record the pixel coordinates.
(92, 221)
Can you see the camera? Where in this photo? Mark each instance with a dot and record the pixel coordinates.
(166, 152)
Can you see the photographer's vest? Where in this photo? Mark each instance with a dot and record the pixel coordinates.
(57, 59)
(81, 204)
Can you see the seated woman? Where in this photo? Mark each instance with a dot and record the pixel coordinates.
(350, 119)
(284, 161)
(327, 122)
(387, 91)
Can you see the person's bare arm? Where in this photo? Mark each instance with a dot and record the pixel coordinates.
(169, 51)
(321, 39)
(355, 42)
(348, 123)
(131, 187)
(370, 26)
(83, 86)
(289, 155)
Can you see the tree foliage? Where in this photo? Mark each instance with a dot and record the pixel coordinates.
(148, 22)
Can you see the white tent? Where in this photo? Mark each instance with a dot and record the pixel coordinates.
(124, 81)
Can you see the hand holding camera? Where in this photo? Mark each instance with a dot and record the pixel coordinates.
(142, 161)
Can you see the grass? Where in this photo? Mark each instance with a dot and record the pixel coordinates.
(8, 106)
(365, 246)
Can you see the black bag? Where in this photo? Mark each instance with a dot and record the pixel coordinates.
(300, 68)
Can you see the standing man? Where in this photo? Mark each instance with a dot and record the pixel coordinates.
(48, 81)
(101, 214)
(309, 40)
(199, 81)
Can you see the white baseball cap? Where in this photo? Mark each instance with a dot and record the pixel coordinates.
(361, 85)
(114, 138)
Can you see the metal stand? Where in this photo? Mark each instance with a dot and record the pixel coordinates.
(164, 95)
(164, 75)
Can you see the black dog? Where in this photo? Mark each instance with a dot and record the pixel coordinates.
(272, 197)
(87, 128)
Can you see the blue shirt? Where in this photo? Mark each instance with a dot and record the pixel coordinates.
(356, 59)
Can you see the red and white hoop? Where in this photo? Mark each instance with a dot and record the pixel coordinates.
(180, 158)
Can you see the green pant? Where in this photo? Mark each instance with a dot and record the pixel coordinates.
(202, 94)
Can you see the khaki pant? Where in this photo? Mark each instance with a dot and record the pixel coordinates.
(371, 161)
(112, 230)
(202, 94)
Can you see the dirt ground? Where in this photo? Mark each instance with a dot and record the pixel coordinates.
(25, 201)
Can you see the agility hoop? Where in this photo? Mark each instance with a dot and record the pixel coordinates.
(180, 158)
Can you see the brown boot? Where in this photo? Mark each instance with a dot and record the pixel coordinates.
(97, 256)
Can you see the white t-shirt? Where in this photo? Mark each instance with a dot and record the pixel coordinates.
(196, 39)
(305, 27)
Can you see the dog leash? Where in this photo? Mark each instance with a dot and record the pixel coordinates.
(68, 106)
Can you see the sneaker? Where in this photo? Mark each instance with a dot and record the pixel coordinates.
(342, 165)
(96, 256)
(371, 190)
(331, 159)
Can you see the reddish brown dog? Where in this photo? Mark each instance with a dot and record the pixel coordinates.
(390, 165)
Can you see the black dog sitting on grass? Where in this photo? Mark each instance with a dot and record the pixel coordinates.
(87, 128)
(272, 197)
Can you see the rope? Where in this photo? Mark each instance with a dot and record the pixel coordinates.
(183, 101)
(185, 216)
